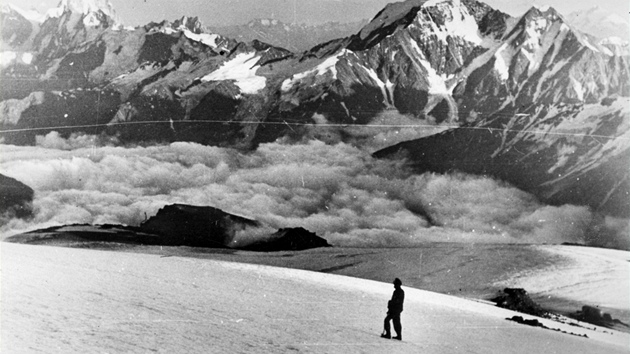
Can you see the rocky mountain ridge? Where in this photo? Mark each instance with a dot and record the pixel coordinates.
(530, 100)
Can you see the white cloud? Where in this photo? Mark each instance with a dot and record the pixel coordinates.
(337, 191)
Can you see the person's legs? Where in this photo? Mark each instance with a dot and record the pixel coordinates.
(397, 326)
(387, 332)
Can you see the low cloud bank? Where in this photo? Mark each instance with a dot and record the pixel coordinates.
(337, 191)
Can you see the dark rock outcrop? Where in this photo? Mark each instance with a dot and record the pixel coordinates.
(516, 299)
(531, 322)
(173, 225)
(289, 239)
(596, 316)
(197, 226)
(15, 198)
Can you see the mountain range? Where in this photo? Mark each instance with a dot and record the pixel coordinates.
(529, 100)
(291, 36)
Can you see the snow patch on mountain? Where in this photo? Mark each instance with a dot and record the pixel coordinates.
(577, 87)
(380, 84)
(328, 65)
(10, 57)
(31, 15)
(7, 58)
(91, 20)
(208, 39)
(242, 69)
(502, 62)
(436, 82)
(543, 8)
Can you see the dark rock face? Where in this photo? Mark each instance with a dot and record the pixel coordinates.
(518, 300)
(289, 239)
(196, 226)
(15, 198)
(604, 185)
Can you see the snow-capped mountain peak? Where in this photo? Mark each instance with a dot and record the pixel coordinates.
(31, 15)
(193, 24)
(443, 63)
(394, 14)
(92, 10)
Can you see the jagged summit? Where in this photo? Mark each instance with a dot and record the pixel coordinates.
(547, 12)
(91, 9)
(192, 24)
(388, 19)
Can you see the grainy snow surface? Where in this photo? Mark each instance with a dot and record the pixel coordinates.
(84, 301)
(594, 276)
(241, 69)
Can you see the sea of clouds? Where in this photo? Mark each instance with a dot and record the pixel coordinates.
(338, 191)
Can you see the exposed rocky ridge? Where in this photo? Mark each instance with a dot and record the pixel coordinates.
(553, 101)
(179, 225)
(516, 299)
(290, 239)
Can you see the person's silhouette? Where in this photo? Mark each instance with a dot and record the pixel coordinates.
(394, 308)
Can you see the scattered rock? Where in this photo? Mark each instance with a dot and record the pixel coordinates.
(596, 316)
(532, 322)
(535, 323)
(516, 299)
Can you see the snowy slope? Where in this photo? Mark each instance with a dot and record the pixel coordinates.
(71, 300)
(589, 275)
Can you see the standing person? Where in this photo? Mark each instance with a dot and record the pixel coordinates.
(394, 308)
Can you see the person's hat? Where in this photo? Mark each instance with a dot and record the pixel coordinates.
(397, 282)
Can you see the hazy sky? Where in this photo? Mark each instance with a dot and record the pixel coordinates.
(222, 12)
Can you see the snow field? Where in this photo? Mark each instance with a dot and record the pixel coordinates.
(77, 301)
(594, 276)
(242, 69)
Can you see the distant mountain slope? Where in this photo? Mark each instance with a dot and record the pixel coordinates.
(294, 37)
(15, 198)
(601, 22)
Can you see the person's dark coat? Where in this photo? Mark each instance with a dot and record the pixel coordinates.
(395, 305)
